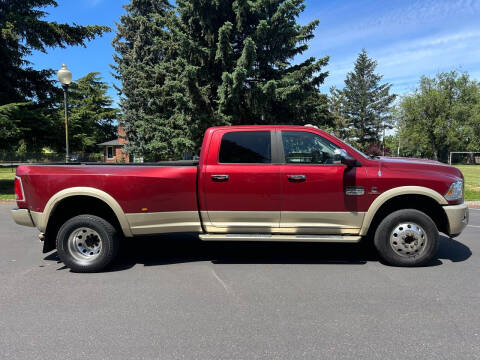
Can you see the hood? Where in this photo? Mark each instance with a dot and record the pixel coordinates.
(419, 165)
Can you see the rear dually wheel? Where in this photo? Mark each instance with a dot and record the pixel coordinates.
(87, 243)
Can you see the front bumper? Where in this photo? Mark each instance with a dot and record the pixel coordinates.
(457, 216)
(22, 217)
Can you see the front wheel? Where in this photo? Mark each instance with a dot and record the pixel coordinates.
(87, 243)
(407, 238)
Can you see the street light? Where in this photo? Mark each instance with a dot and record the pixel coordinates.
(65, 77)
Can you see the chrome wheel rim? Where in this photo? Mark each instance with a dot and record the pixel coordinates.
(85, 244)
(408, 239)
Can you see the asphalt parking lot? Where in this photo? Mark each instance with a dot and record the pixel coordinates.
(178, 298)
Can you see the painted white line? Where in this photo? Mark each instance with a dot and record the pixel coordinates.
(475, 226)
(227, 289)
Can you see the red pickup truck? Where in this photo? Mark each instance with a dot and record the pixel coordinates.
(251, 183)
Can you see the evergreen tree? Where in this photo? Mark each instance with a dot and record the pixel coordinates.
(339, 120)
(216, 62)
(144, 48)
(239, 69)
(367, 103)
(22, 31)
(29, 127)
(91, 114)
(28, 97)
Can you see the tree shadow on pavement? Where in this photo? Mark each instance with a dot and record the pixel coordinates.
(183, 248)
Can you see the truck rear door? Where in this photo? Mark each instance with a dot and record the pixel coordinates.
(241, 183)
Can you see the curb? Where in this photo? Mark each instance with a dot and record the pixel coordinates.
(473, 204)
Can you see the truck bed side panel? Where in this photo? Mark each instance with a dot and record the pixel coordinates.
(136, 188)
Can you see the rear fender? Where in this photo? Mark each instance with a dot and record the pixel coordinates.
(41, 219)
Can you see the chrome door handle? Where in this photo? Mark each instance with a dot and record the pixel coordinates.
(219, 178)
(296, 178)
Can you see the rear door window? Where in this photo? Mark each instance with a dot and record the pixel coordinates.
(246, 147)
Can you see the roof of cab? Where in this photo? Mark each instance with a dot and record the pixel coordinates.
(267, 127)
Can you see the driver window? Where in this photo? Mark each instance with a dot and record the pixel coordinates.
(303, 147)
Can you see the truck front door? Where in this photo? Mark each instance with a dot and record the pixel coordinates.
(318, 191)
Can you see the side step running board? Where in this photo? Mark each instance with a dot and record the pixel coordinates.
(270, 237)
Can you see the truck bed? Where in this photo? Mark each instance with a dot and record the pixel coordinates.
(138, 188)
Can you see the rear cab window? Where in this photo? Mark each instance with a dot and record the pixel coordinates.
(246, 147)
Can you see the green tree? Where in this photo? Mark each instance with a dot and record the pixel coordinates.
(23, 30)
(24, 89)
(442, 115)
(149, 93)
(28, 125)
(340, 122)
(91, 114)
(214, 63)
(367, 103)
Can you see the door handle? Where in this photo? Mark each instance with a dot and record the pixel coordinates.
(219, 178)
(296, 178)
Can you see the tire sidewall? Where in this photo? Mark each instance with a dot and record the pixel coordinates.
(103, 228)
(385, 228)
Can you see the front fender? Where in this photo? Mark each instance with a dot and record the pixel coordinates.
(398, 191)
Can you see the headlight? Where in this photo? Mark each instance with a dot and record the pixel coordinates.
(455, 191)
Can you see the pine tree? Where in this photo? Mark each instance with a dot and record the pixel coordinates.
(239, 64)
(216, 62)
(367, 103)
(91, 114)
(22, 30)
(28, 97)
(144, 49)
(340, 122)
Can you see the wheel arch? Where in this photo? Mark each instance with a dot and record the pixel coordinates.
(84, 193)
(406, 197)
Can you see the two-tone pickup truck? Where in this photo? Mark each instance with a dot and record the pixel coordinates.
(251, 183)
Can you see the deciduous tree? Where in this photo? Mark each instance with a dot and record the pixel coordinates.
(442, 115)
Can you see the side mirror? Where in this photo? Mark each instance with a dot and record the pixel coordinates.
(345, 158)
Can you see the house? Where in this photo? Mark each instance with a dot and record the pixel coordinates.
(114, 150)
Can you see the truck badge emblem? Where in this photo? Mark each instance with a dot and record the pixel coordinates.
(354, 190)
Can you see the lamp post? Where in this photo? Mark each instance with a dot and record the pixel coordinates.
(65, 77)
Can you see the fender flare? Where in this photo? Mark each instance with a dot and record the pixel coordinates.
(392, 193)
(85, 191)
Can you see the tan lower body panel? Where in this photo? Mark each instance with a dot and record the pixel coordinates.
(291, 222)
(321, 222)
(241, 221)
(164, 222)
(37, 219)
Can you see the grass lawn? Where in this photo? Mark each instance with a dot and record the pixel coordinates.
(471, 173)
(6, 183)
(472, 181)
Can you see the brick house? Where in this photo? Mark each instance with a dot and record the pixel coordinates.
(114, 150)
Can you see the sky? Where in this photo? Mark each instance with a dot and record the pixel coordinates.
(408, 38)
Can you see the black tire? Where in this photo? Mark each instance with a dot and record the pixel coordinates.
(69, 245)
(393, 252)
